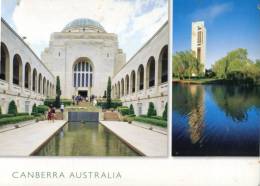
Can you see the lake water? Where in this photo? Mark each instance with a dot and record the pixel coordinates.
(85, 139)
(215, 120)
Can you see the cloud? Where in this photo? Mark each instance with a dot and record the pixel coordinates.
(212, 12)
(37, 19)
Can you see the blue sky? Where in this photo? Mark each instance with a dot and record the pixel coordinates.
(134, 21)
(230, 24)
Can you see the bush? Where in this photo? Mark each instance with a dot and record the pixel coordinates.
(12, 109)
(6, 115)
(22, 114)
(0, 111)
(34, 109)
(161, 123)
(49, 102)
(165, 112)
(15, 119)
(131, 110)
(114, 104)
(151, 110)
(42, 109)
(123, 110)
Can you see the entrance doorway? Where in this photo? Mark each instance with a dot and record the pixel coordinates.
(83, 93)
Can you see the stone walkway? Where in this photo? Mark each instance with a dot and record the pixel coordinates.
(147, 142)
(24, 141)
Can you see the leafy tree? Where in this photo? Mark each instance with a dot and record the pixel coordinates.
(108, 96)
(12, 109)
(58, 93)
(151, 110)
(165, 112)
(131, 110)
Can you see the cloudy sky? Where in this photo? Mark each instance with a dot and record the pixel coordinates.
(230, 24)
(135, 21)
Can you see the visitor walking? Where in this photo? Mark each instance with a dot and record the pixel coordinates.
(62, 109)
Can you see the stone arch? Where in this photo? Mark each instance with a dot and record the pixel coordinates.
(150, 72)
(34, 80)
(40, 84)
(5, 63)
(17, 70)
(132, 81)
(127, 84)
(83, 72)
(140, 77)
(27, 76)
(44, 86)
(119, 88)
(122, 87)
(163, 65)
(115, 90)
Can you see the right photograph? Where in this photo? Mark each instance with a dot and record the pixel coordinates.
(216, 78)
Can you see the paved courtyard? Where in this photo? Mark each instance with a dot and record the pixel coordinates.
(25, 140)
(148, 142)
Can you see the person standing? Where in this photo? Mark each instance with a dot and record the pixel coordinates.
(62, 109)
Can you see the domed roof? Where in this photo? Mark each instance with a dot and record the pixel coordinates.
(83, 23)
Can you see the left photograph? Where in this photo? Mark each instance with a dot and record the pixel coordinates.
(84, 79)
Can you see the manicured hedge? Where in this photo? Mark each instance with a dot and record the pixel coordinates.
(15, 119)
(114, 104)
(123, 110)
(161, 123)
(13, 115)
(42, 109)
(66, 102)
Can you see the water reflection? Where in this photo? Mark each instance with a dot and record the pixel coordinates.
(85, 140)
(205, 119)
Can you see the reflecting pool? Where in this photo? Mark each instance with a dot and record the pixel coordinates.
(85, 139)
(215, 120)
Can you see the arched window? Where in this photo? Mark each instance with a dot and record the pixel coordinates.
(4, 67)
(47, 88)
(127, 84)
(17, 70)
(150, 72)
(115, 90)
(40, 84)
(132, 81)
(122, 87)
(163, 65)
(27, 76)
(140, 77)
(34, 83)
(83, 74)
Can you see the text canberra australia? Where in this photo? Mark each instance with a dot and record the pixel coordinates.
(67, 175)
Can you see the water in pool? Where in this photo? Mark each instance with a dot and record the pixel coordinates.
(85, 139)
(215, 120)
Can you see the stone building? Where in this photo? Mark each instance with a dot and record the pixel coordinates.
(24, 78)
(198, 41)
(84, 56)
(144, 78)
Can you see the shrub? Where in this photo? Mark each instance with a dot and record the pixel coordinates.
(0, 110)
(42, 109)
(6, 115)
(22, 114)
(152, 121)
(165, 112)
(151, 110)
(34, 109)
(131, 110)
(12, 109)
(49, 102)
(123, 110)
(114, 104)
(15, 119)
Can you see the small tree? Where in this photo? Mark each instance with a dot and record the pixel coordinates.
(165, 112)
(58, 92)
(131, 110)
(108, 93)
(12, 109)
(151, 110)
(34, 109)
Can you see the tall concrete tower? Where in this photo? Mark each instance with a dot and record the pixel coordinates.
(198, 41)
